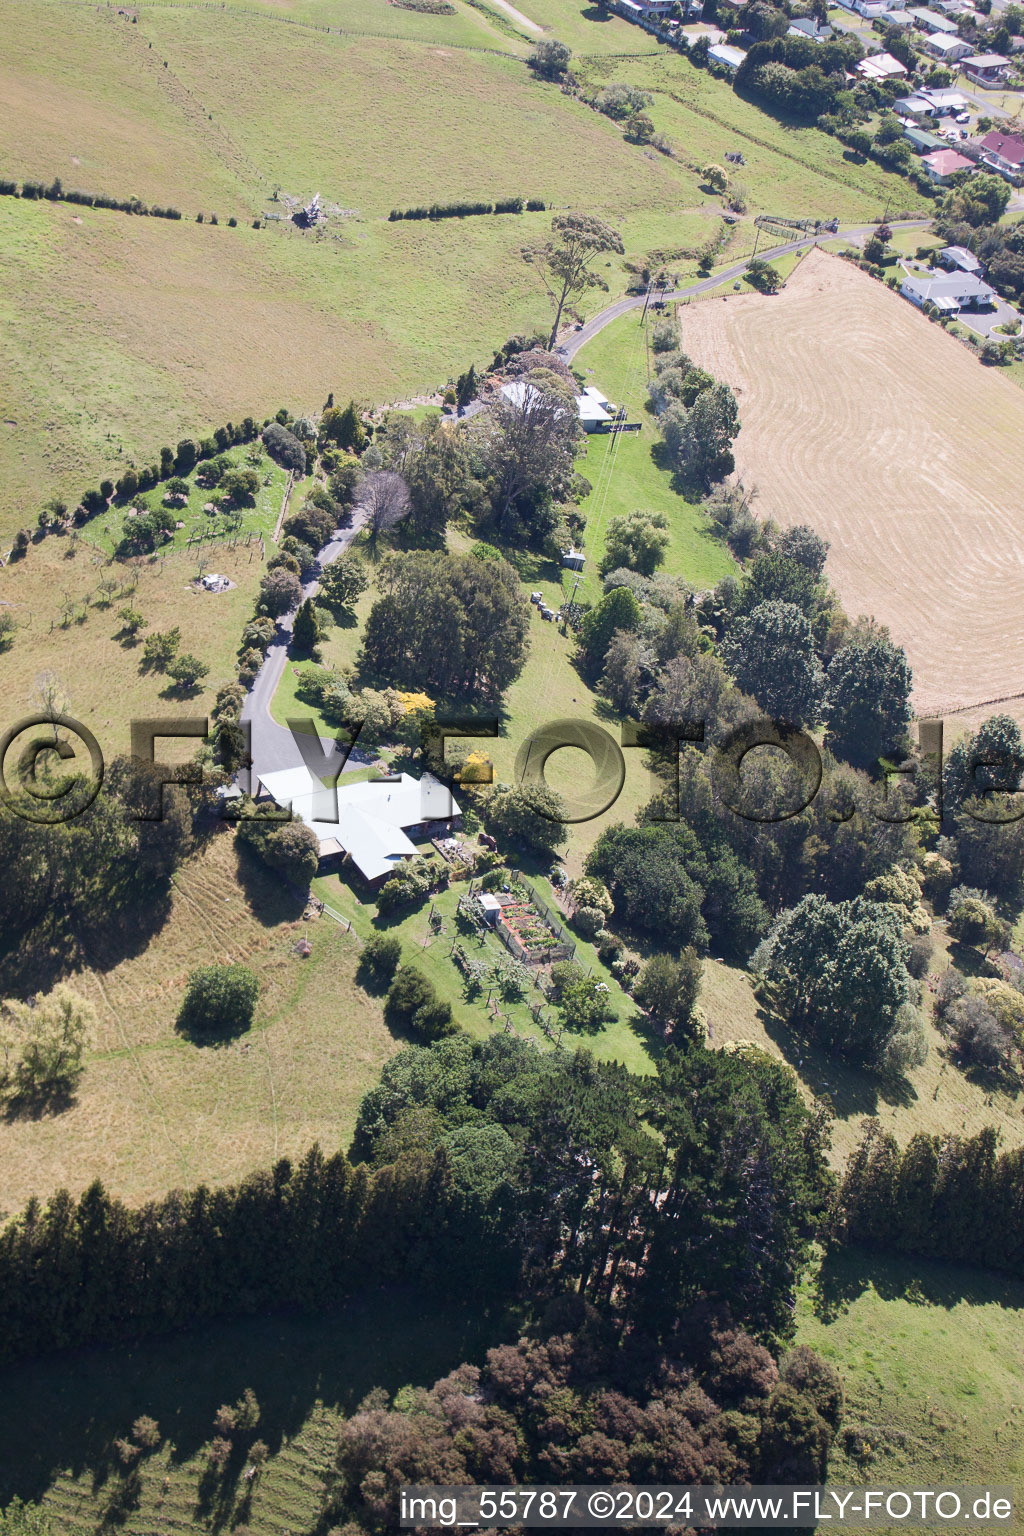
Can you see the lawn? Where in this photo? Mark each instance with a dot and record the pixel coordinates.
(628, 472)
(931, 1358)
(430, 951)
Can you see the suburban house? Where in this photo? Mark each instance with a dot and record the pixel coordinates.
(956, 258)
(941, 164)
(806, 26)
(986, 69)
(1003, 152)
(922, 142)
(897, 18)
(723, 53)
(950, 292)
(949, 50)
(930, 102)
(881, 66)
(593, 410)
(871, 8)
(945, 100)
(930, 21)
(371, 824)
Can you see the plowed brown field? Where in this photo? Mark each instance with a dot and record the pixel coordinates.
(865, 420)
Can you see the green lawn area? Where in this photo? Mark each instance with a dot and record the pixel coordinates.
(931, 1357)
(626, 471)
(431, 953)
(209, 531)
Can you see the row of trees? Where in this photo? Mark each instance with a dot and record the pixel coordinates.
(507, 1170)
(949, 1198)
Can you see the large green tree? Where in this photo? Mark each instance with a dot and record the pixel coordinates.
(837, 971)
(867, 702)
(771, 654)
(448, 625)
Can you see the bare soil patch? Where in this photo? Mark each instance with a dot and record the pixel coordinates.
(865, 420)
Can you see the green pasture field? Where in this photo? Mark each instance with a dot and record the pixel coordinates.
(628, 472)
(931, 1358)
(155, 1111)
(794, 171)
(68, 625)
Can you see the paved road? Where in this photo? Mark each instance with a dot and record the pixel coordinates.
(568, 348)
(273, 746)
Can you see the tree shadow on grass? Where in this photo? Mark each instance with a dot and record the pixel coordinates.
(849, 1089)
(35, 961)
(271, 899)
(88, 1398)
(847, 1273)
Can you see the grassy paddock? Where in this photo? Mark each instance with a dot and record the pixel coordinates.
(629, 473)
(154, 1111)
(931, 1360)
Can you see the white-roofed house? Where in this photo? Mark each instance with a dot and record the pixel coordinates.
(592, 407)
(368, 823)
(950, 292)
(949, 49)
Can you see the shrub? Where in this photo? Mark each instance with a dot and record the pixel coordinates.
(284, 447)
(219, 1000)
(378, 962)
(413, 1005)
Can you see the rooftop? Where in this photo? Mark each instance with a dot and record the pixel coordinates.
(1006, 145)
(944, 162)
(364, 820)
(936, 287)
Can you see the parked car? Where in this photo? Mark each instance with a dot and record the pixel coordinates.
(962, 117)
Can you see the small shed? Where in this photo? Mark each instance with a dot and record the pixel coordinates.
(491, 907)
(573, 559)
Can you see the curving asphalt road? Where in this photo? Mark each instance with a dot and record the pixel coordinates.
(568, 348)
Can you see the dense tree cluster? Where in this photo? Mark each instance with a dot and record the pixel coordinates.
(668, 882)
(562, 1407)
(599, 1180)
(837, 971)
(473, 611)
(799, 76)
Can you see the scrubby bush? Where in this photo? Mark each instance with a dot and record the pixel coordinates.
(380, 959)
(219, 1000)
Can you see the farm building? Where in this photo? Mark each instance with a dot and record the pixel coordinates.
(950, 292)
(986, 69)
(722, 53)
(1003, 152)
(881, 66)
(957, 258)
(367, 824)
(593, 412)
(941, 164)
